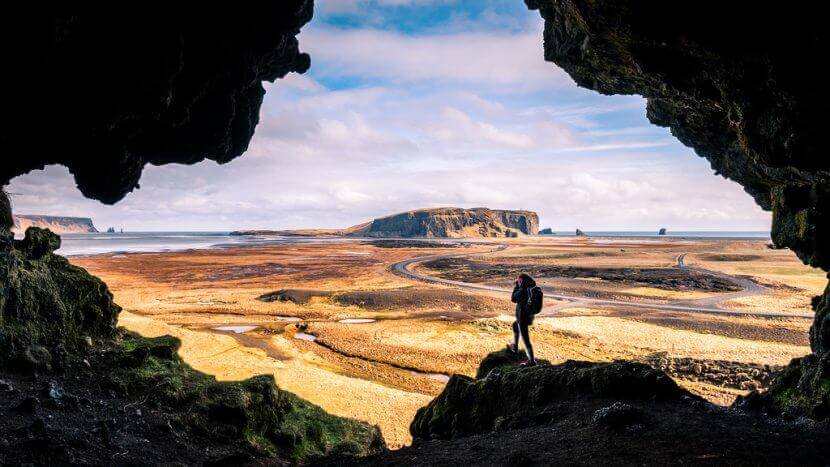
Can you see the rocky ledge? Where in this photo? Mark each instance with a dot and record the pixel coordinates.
(591, 413)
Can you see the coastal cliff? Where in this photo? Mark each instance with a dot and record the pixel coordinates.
(456, 222)
(57, 224)
(431, 222)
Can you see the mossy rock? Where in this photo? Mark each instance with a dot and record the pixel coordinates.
(802, 389)
(504, 395)
(47, 302)
(254, 412)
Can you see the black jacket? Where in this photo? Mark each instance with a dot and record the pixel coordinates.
(521, 296)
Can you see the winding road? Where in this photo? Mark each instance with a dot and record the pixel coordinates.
(704, 306)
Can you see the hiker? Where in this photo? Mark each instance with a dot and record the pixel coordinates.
(528, 299)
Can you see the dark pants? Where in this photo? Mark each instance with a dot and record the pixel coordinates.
(520, 327)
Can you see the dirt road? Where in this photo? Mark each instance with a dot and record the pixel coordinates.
(702, 306)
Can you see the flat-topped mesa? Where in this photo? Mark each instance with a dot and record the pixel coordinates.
(430, 222)
(57, 224)
(455, 223)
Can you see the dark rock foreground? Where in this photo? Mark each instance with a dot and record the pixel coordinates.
(592, 413)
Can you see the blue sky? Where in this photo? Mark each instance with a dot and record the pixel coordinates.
(420, 103)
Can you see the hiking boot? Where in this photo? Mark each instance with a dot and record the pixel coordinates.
(528, 363)
(511, 348)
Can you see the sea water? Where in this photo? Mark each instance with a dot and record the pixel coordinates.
(82, 244)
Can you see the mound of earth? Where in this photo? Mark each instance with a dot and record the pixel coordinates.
(467, 270)
(726, 257)
(591, 413)
(298, 296)
(418, 297)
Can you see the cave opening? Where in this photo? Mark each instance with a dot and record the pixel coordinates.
(741, 104)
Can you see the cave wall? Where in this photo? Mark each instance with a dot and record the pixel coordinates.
(105, 88)
(739, 82)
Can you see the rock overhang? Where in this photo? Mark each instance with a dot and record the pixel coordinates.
(106, 89)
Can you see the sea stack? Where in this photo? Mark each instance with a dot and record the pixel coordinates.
(546, 231)
(662, 231)
(580, 233)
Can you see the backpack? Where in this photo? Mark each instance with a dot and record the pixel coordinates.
(534, 300)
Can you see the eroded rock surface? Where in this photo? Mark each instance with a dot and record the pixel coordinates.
(106, 89)
(48, 307)
(506, 396)
(737, 83)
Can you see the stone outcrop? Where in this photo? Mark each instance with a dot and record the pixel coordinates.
(56, 224)
(504, 395)
(546, 231)
(579, 233)
(455, 222)
(121, 85)
(735, 83)
(48, 307)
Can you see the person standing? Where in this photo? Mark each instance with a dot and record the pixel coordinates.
(522, 297)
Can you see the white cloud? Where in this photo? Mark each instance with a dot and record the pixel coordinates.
(465, 119)
(489, 59)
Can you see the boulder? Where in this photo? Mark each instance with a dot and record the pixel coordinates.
(47, 305)
(506, 395)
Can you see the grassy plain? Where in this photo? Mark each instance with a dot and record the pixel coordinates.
(410, 334)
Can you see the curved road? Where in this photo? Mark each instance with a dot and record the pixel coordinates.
(705, 306)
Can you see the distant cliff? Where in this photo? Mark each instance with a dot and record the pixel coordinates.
(434, 222)
(57, 224)
(455, 222)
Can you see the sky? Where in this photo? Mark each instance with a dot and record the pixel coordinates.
(424, 103)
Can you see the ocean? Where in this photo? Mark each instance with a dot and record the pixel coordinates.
(139, 242)
(84, 244)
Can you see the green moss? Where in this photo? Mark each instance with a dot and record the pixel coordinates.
(254, 412)
(504, 395)
(47, 302)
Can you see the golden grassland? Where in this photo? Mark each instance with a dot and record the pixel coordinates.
(383, 371)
